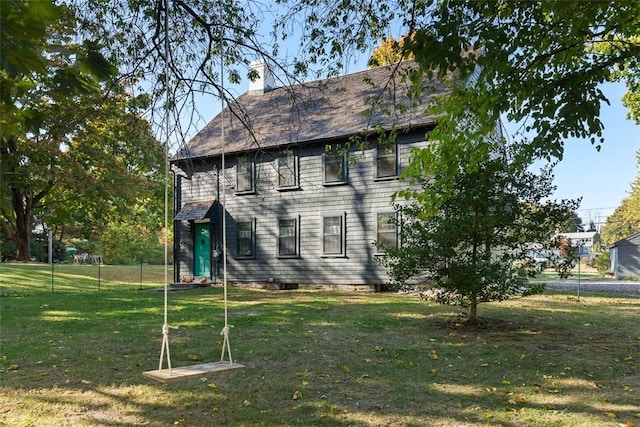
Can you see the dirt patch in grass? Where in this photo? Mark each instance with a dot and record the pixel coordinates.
(462, 323)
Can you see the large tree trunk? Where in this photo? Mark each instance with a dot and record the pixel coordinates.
(23, 209)
(23, 248)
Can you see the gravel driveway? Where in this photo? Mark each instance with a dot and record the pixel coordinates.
(605, 286)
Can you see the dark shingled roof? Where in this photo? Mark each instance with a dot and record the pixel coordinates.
(322, 110)
(194, 210)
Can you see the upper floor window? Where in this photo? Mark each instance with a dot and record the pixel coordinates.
(334, 165)
(288, 237)
(386, 231)
(244, 175)
(333, 235)
(387, 159)
(287, 170)
(245, 239)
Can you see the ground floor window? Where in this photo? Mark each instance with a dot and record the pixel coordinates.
(386, 231)
(288, 237)
(245, 239)
(333, 235)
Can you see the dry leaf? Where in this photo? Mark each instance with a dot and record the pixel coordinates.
(297, 395)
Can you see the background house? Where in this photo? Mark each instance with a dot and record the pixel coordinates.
(625, 257)
(583, 240)
(304, 204)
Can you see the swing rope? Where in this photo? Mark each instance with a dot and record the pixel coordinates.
(227, 327)
(166, 326)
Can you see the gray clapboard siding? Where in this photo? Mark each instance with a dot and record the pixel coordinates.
(359, 200)
(625, 257)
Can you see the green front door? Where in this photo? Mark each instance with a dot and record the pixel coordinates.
(202, 249)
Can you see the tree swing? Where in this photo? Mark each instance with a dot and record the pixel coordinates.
(171, 374)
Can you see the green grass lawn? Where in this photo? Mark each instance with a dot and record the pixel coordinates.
(23, 279)
(76, 357)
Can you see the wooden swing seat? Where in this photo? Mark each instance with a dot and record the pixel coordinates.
(191, 371)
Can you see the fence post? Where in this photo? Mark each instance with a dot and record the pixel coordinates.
(50, 247)
(51, 258)
(579, 259)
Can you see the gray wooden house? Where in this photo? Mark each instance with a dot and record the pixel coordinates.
(303, 205)
(625, 257)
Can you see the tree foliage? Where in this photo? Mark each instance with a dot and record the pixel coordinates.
(184, 51)
(534, 62)
(473, 247)
(631, 99)
(73, 145)
(389, 51)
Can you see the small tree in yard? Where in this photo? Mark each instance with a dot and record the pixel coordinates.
(466, 233)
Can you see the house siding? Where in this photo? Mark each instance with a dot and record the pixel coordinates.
(359, 200)
(625, 257)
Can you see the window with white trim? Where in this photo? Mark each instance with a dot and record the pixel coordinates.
(386, 231)
(333, 235)
(334, 165)
(245, 239)
(244, 175)
(287, 170)
(386, 160)
(288, 238)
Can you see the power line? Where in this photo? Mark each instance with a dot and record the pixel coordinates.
(597, 209)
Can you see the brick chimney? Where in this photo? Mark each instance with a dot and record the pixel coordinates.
(265, 81)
